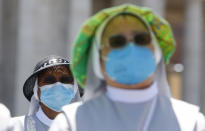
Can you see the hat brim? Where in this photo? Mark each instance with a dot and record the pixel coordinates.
(30, 82)
(28, 86)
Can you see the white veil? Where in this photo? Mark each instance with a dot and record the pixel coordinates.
(95, 83)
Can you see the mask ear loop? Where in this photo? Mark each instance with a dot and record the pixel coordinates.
(34, 103)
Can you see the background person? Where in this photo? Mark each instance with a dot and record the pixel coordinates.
(50, 87)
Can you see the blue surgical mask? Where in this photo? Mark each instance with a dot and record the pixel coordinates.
(130, 65)
(56, 95)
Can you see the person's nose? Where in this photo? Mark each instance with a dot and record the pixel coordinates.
(129, 38)
(57, 79)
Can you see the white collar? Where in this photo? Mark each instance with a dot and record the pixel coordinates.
(132, 95)
(43, 117)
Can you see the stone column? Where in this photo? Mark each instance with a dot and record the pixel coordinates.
(79, 12)
(9, 12)
(1, 9)
(193, 53)
(99, 5)
(42, 31)
(119, 2)
(157, 6)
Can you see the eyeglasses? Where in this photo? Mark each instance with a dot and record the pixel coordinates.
(140, 38)
(63, 79)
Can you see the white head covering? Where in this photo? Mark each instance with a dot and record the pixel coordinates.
(95, 83)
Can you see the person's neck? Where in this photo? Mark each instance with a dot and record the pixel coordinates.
(132, 95)
(49, 113)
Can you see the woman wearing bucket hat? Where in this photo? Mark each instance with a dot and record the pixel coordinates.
(119, 58)
(48, 89)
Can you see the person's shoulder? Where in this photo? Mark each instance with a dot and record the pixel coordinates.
(72, 106)
(16, 123)
(71, 109)
(188, 115)
(67, 119)
(84, 108)
(17, 120)
(184, 105)
(4, 111)
(84, 104)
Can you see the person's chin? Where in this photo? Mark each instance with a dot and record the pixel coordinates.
(48, 108)
(142, 85)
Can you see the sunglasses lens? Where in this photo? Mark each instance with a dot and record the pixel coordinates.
(66, 79)
(142, 38)
(117, 41)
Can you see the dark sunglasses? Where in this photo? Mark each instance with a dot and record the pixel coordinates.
(63, 79)
(140, 38)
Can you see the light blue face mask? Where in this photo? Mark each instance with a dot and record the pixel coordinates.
(55, 96)
(130, 65)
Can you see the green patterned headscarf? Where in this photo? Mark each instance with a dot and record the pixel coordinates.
(82, 45)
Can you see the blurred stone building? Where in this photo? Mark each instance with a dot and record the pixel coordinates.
(33, 29)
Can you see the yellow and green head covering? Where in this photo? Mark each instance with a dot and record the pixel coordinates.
(82, 45)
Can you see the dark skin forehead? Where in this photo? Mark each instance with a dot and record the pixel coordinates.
(54, 74)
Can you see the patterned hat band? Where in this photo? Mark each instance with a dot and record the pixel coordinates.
(51, 62)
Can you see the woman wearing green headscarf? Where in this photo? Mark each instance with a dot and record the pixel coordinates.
(119, 57)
